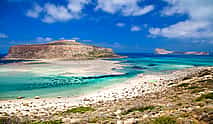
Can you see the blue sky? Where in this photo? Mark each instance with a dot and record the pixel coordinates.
(124, 25)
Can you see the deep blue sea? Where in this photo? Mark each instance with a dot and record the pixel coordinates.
(29, 85)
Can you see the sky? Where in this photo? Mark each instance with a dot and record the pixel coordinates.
(137, 26)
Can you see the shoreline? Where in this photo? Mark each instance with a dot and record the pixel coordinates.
(139, 86)
(61, 59)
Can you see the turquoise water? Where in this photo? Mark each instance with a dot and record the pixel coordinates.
(14, 84)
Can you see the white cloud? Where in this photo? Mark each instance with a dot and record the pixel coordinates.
(135, 28)
(56, 13)
(51, 13)
(34, 13)
(185, 29)
(195, 9)
(198, 25)
(2, 35)
(76, 6)
(143, 11)
(43, 39)
(120, 24)
(168, 11)
(125, 7)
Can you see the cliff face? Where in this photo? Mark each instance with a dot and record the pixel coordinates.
(63, 49)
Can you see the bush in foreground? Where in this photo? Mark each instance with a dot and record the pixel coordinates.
(79, 110)
(164, 120)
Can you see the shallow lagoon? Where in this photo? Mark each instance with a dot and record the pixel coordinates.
(52, 84)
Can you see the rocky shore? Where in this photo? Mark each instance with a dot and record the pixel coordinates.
(182, 97)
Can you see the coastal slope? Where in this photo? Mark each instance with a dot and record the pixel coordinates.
(62, 49)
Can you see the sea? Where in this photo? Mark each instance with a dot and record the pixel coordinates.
(29, 85)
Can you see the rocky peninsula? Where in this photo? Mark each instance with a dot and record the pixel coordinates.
(61, 49)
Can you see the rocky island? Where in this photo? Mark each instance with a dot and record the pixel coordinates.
(61, 49)
(164, 51)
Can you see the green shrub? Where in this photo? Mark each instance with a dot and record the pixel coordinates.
(139, 109)
(164, 120)
(197, 90)
(183, 85)
(207, 80)
(205, 96)
(79, 110)
(49, 122)
(14, 120)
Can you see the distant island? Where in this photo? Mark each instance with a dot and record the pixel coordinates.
(164, 51)
(61, 49)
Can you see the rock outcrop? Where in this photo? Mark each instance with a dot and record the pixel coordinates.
(62, 49)
(164, 51)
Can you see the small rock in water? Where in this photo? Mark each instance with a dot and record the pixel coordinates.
(37, 97)
(20, 97)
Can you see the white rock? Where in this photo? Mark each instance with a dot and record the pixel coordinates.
(75, 121)
(130, 121)
(118, 112)
(66, 120)
(119, 122)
